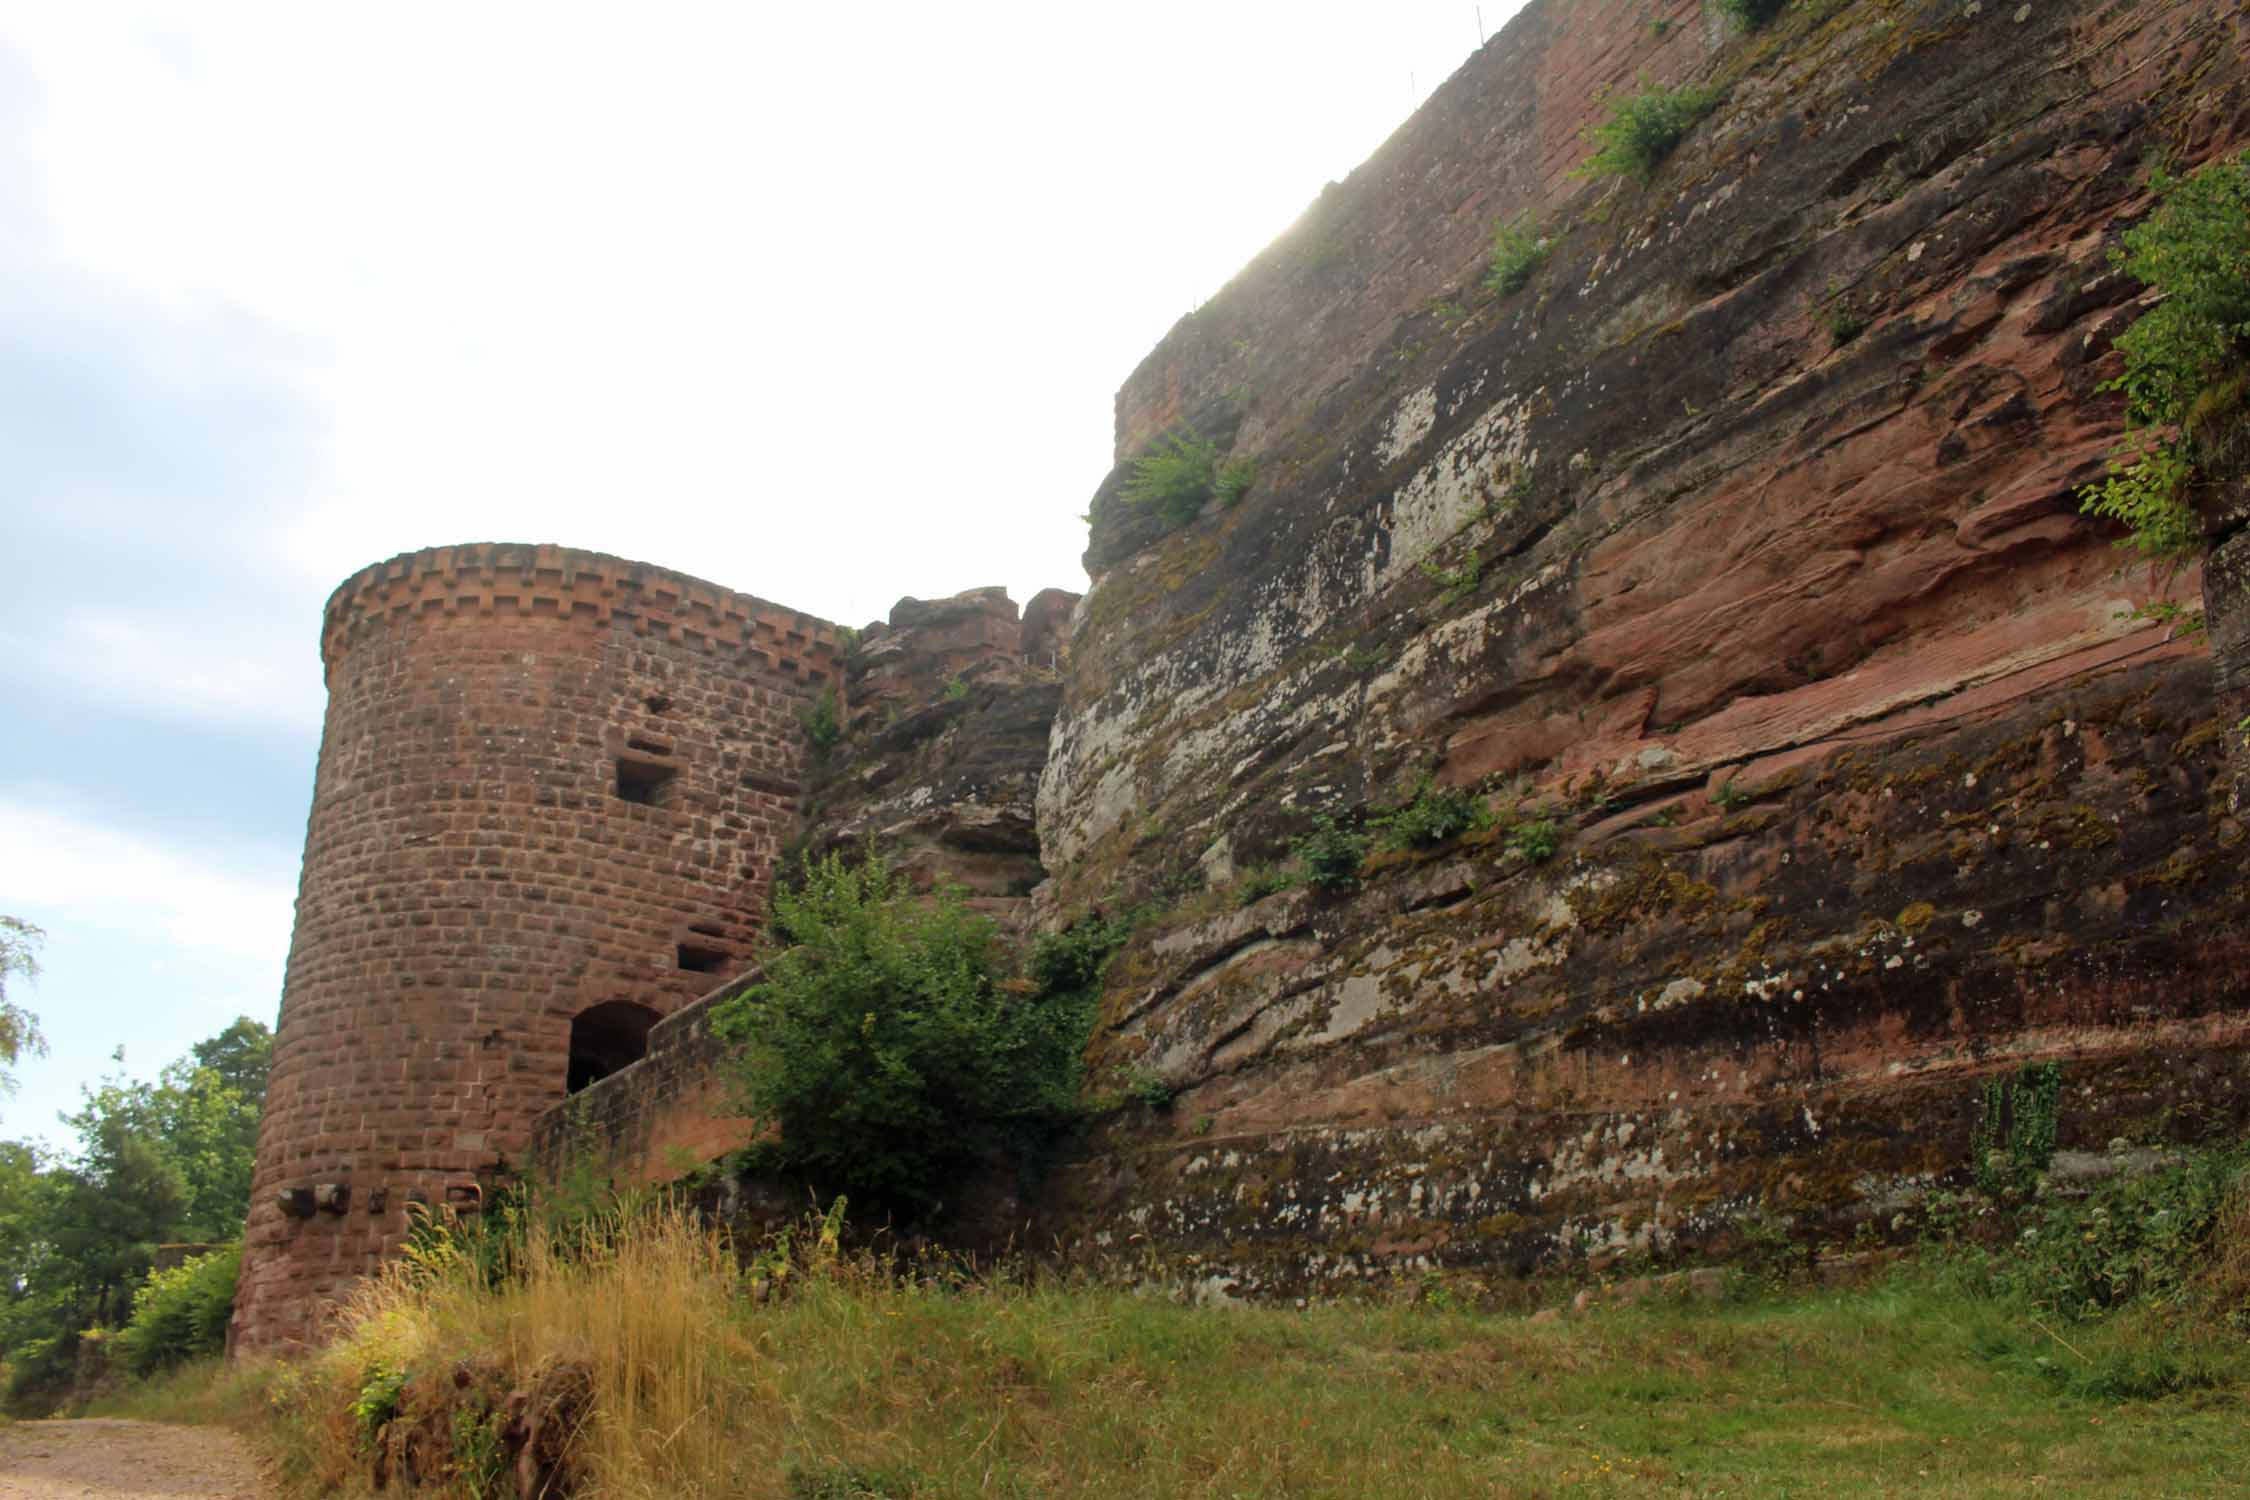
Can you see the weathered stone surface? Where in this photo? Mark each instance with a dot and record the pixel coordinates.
(1046, 627)
(1742, 543)
(1710, 1013)
(947, 736)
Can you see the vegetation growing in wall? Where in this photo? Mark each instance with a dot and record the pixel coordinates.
(1331, 854)
(1751, 15)
(1535, 839)
(1643, 128)
(2186, 405)
(887, 1047)
(824, 724)
(1518, 251)
(2014, 1139)
(1181, 473)
(1430, 815)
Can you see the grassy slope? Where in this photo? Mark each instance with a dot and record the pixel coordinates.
(843, 1383)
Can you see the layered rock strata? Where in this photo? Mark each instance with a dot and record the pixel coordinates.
(1741, 546)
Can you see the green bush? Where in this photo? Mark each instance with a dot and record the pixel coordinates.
(1643, 128)
(1431, 815)
(1177, 476)
(2181, 356)
(2133, 1239)
(1331, 854)
(886, 1053)
(1536, 840)
(1751, 15)
(182, 1313)
(1518, 251)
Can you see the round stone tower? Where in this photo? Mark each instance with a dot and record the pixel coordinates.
(553, 786)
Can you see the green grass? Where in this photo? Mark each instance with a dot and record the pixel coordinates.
(841, 1379)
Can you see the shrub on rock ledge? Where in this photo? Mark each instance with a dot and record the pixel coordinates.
(887, 1051)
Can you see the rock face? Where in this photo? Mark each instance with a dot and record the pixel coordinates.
(1740, 547)
(944, 741)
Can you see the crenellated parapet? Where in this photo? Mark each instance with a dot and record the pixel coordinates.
(544, 581)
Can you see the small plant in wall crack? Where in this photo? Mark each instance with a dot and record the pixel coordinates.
(1643, 128)
(824, 725)
(1518, 251)
(1751, 15)
(1181, 473)
(1331, 854)
(1456, 584)
(1841, 318)
(1431, 815)
(1535, 840)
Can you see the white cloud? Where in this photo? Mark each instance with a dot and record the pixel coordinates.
(153, 664)
(65, 870)
(826, 303)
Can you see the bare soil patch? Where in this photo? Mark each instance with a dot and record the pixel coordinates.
(102, 1458)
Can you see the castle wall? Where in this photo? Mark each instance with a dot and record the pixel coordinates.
(937, 765)
(671, 1111)
(548, 780)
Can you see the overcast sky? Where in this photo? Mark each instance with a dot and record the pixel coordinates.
(825, 303)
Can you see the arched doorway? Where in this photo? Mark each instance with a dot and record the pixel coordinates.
(605, 1037)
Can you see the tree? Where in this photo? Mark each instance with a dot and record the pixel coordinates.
(19, 1029)
(156, 1163)
(242, 1056)
(887, 1050)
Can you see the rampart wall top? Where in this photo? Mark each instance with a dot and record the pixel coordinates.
(494, 577)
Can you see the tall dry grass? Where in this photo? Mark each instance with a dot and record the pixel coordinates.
(808, 1372)
(643, 1304)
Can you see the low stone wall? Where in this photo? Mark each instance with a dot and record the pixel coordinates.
(652, 1120)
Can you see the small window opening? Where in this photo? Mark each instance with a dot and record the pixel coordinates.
(605, 1037)
(658, 703)
(703, 958)
(639, 781)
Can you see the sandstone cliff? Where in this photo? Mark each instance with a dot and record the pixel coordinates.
(1740, 545)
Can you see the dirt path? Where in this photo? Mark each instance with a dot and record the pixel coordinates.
(103, 1459)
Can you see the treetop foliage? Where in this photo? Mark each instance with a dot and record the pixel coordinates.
(19, 1029)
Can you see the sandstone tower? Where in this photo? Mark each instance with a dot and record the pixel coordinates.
(553, 786)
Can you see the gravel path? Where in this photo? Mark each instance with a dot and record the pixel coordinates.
(103, 1459)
